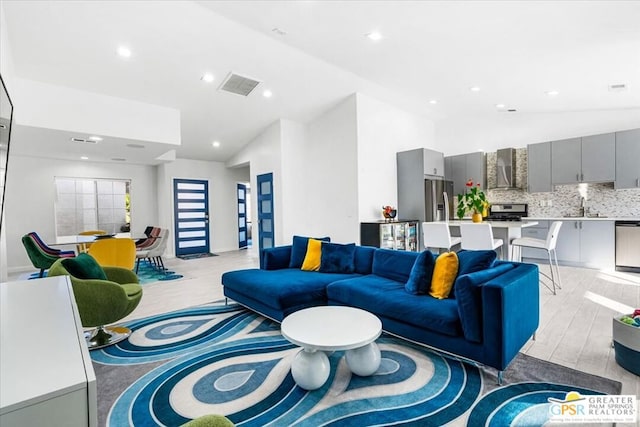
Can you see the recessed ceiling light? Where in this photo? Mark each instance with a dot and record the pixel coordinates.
(267, 93)
(207, 77)
(84, 158)
(95, 138)
(215, 144)
(124, 51)
(474, 89)
(500, 105)
(552, 92)
(433, 101)
(374, 35)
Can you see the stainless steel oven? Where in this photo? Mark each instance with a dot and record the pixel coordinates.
(628, 246)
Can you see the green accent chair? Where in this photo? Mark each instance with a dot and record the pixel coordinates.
(101, 302)
(210, 421)
(42, 256)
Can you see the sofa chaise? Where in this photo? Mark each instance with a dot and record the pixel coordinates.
(491, 312)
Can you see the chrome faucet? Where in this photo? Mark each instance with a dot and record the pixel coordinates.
(583, 207)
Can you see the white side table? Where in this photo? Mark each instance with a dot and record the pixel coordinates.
(328, 329)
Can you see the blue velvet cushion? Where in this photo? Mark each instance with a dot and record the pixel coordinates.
(471, 261)
(364, 259)
(299, 249)
(84, 266)
(468, 290)
(337, 258)
(394, 265)
(420, 276)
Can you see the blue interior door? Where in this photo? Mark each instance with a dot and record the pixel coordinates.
(191, 213)
(265, 212)
(242, 216)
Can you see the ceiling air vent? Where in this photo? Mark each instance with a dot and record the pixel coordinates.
(83, 141)
(617, 88)
(240, 85)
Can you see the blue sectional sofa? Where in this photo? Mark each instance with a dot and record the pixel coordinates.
(489, 316)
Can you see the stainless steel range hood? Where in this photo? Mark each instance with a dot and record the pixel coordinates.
(506, 168)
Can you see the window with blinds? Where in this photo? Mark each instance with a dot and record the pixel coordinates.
(91, 204)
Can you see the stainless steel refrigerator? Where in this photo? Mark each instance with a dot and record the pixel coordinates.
(426, 200)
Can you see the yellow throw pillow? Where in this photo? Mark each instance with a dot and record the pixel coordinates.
(444, 275)
(314, 255)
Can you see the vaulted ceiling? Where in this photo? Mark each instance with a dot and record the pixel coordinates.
(312, 54)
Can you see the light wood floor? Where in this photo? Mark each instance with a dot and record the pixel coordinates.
(575, 327)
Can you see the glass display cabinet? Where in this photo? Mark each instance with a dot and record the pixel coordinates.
(398, 235)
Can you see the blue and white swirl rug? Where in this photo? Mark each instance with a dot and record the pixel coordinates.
(223, 359)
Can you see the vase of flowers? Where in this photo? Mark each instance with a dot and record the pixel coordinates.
(473, 200)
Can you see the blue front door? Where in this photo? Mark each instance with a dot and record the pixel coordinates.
(242, 216)
(191, 213)
(265, 213)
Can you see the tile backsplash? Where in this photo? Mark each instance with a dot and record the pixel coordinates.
(565, 199)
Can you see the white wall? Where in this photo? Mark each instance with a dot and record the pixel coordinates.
(383, 130)
(56, 107)
(501, 130)
(223, 209)
(326, 174)
(29, 203)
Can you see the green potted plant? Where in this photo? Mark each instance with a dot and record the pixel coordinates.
(473, 200)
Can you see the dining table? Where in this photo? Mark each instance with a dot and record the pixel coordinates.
(505, 230)
(81, 240)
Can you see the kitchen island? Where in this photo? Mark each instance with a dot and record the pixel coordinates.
(505, 230)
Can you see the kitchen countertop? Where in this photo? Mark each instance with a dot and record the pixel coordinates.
(501, 224)
(580, 218)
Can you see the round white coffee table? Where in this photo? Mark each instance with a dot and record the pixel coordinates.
(327, 329)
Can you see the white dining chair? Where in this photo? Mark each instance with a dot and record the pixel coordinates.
(437, 235)
(479, 236)
(549, 245)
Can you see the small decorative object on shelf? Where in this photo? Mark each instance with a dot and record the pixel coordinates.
(474, 201)
(389, 213)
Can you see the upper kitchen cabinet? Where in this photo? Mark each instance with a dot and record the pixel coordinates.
(422, 162)
(464, 167)
(627, 155)
(586, 159)
(539, 167)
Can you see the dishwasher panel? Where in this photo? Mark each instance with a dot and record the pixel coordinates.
(628, 246)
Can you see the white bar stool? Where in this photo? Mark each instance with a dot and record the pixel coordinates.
(437, 235)
(479, 236)
(549, 245)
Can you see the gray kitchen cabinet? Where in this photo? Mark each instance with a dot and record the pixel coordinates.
(597, 244)
(627, 155)
(462, 167)
(587, 243)
(587, 159)
(433, 162)
(568, 244)
(422, 162)
(566, 163)
(539, 167)
(599, 158)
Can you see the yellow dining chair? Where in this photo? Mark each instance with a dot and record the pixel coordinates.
(83, 247)
(114, 252)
